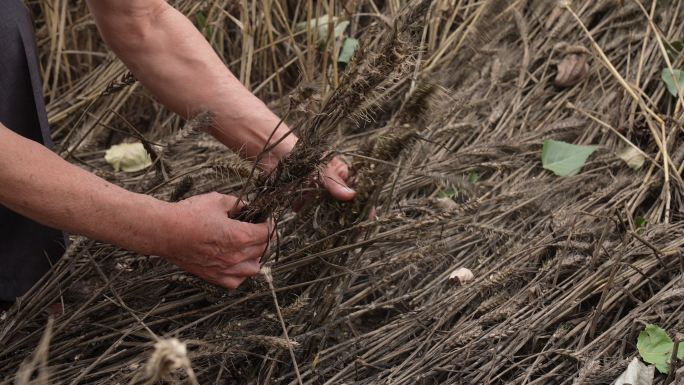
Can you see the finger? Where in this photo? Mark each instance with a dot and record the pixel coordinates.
(251, 234)
(248, 268)
(258, 251)
(246, 253)
(230, 282)
(340, 167)
(336, 185)
(373, 214)
(232, 204)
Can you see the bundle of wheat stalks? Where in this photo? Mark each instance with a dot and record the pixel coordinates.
(441, 112)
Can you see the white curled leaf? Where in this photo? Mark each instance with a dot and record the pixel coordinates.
(633, 157)
(128, 157)
(321, 24)
(461, 275)
(636, 374)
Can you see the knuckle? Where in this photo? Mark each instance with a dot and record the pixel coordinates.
(254, 270)
(227, 199)
(241, 238)
(260, 232)
(234, 283)
(231, 259)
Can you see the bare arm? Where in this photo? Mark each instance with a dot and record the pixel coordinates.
(39, 184)
(195, 234)
(174, 61)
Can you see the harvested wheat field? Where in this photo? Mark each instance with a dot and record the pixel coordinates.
(519, 212)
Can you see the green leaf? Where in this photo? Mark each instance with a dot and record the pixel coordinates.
(350, 45)
(655, 347)
(673, 79)
(201, 20)
(640, 222)
(674, 49)
(565, 159)
(448, 193)
(473, 177)
(202, 24)
(128, 157)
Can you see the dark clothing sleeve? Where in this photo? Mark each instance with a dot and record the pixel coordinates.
(27, 248)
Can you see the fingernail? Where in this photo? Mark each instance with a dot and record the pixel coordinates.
(349, 189)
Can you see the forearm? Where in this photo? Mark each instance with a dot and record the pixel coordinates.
(42, 186)
(172, 59)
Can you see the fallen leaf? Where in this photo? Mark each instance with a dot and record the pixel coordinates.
(462, 275)
(565, 159)
(202, 25)
(350, 45)
(448, 193)
(640, 222)
(673, 79)
(636, 374)
(571, 70)
(128, 157)
(633, 157)
(655, 347)
(322, 24)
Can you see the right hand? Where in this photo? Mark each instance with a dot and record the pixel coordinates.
(202, 239)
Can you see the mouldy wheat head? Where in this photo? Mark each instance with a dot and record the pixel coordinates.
(296, 306)
(192, 128)
(273, 342)
(192, 281)
(115, 85)
(183, 187)
(231, 165)
(492, 303)
(465, 335)
(364, 82)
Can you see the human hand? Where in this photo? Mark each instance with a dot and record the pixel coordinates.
(334, 178)
(202, 239)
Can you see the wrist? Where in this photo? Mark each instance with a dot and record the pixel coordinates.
(157, 218)
(269, 161)
(252, 131)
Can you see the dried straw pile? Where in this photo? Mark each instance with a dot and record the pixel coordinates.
(563, 278)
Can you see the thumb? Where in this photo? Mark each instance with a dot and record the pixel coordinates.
(232, 204)
(337, 187)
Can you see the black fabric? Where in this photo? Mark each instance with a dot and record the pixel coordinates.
(27, 248)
